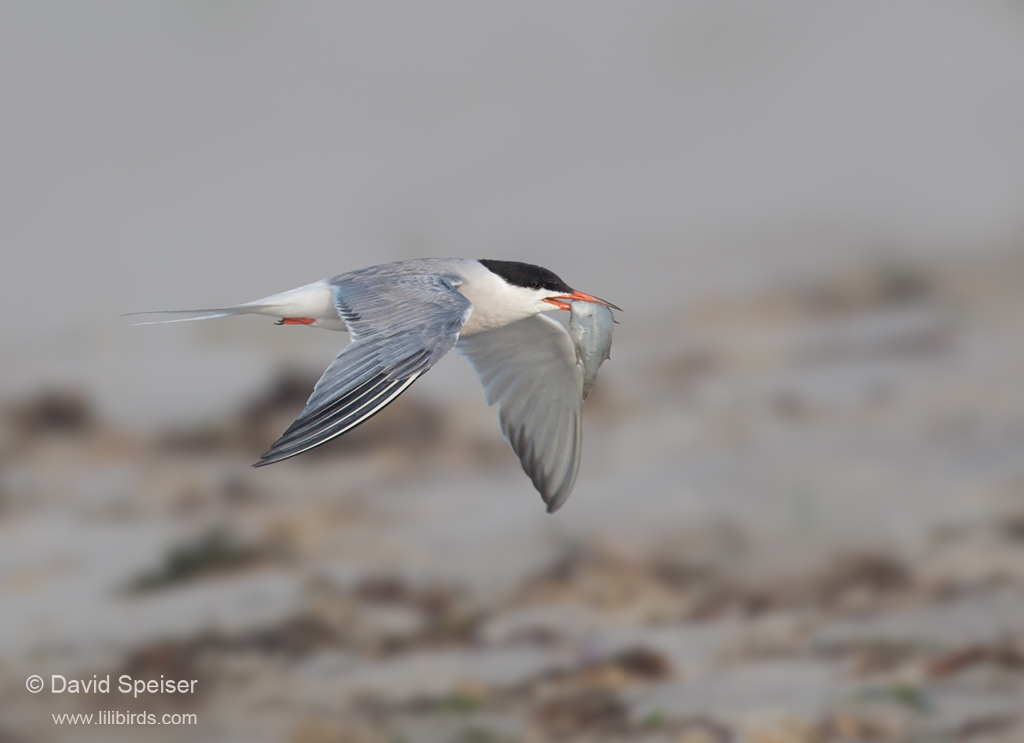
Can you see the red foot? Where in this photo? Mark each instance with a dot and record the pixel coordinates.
(297, 321)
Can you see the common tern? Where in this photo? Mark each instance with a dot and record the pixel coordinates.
(403, 317)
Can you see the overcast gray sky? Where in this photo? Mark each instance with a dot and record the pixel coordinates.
(169, 154)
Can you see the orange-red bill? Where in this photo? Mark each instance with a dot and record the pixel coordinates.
(577, 296)
(297, 321)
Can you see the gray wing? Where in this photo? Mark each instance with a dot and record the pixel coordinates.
(399, 327)
(529, 368)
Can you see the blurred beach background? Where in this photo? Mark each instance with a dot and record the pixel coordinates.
(800, 512)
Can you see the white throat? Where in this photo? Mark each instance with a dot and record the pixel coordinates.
(497, 303)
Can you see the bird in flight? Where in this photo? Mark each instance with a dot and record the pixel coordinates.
(403, 317)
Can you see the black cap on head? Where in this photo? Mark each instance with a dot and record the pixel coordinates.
(527, 275)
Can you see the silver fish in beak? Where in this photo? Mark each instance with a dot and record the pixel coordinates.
(590, 325)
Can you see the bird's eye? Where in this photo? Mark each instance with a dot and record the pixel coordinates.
(535, 285)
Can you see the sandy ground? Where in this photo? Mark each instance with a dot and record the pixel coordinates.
(800, 518)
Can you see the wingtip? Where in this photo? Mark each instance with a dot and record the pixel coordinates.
(272, 457)
(558, 500)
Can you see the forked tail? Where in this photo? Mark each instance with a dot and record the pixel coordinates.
(188, 315)
(312, 304)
